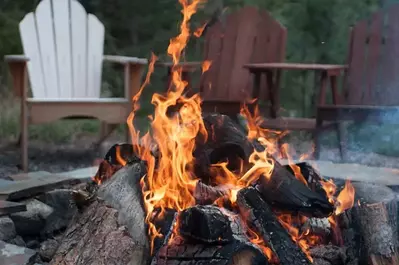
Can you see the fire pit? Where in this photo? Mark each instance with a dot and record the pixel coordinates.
(200, 189)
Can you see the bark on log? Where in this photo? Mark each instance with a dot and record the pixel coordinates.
(96, 238)
(374, 222)
(205, 194)
(93, 237)
(267, 225)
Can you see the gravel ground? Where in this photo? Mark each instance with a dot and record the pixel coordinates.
(49, 157)
(54, 157)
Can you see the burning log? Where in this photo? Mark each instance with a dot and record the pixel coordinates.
(228, 142)
(373, 224)
(99, 231)
(205, 194)
(209, 235)
(206, 224)
(262, 217)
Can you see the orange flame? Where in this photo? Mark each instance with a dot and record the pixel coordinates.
(206, 65)
(198, 32)
(346, 198)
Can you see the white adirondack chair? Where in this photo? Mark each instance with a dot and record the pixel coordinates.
(63, 56)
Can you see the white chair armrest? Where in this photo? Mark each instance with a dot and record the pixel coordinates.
(16, 58)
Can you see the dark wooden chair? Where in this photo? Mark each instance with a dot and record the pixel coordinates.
(245, 36)
(371, 85)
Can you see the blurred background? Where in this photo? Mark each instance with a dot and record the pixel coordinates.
(318, 31)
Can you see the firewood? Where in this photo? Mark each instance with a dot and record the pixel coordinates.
(206, 224)
(205, 194)
(97, 235)
(286, 193)
(373, 224)
(269, 228)
(227, 142)
(180, 252)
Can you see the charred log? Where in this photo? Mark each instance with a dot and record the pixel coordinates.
(205, 194)
(328, 255)
(206, 224)
(227, 142)
(180, 252)
(267, 225)
(373, 224)
(286, 193)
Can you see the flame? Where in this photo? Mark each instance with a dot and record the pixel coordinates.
(304, 240)
(346, 198)
(198, 32)
(206, 65)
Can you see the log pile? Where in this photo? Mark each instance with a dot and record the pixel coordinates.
(110, 226)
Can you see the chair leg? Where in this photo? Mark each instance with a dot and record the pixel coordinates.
(23, 139)
(342, 140)
(316, 139)
(105, 131)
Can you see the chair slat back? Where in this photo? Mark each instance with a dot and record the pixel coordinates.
(65, 48)
(373, 60)
(246, 36)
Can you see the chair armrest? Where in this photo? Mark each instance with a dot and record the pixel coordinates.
(185, 66)
(124, 60)
(133, 71)
(16, 58)
(17, 66)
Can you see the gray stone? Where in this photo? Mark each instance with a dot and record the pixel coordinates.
(48, 249)
(7, 229)
(16, 190)
(18, 240)
(7, 207)
(31, 222)
(30, 175)
(63, 206)
(15, 255)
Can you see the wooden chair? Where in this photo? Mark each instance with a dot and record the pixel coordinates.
(63, 56)
(245, 36)
(371, 87)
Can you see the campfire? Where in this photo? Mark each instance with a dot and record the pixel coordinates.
(198, 188)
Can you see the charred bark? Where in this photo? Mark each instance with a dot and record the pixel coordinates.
(205, 194)
(206, 224)
(286, 193)
(373, 223)
(180, 252)
(267, 225)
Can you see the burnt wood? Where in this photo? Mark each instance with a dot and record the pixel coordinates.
(261, 216)
(227, 142)
(180, 252)
(206, 224)
(205, 194)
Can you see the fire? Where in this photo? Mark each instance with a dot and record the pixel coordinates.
(170, 181)
(206, 65)
(346, 198)
(198, 32)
